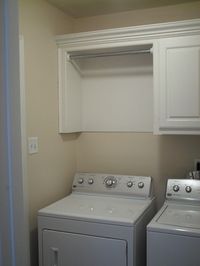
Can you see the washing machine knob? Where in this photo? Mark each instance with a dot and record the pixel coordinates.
(129, 184)
(188, 189)
(140, 184)
(81, 180)
(90, 181)
(176, 188)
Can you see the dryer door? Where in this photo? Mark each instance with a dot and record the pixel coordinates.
(68, 249)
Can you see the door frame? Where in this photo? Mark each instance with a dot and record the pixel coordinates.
(14, 242)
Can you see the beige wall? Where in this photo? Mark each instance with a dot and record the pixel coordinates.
(50, 171)
(139, 17)
(161, 157)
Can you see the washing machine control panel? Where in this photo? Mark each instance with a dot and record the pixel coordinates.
(183, 189)
(113, 184)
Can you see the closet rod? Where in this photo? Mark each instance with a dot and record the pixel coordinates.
(82, 56)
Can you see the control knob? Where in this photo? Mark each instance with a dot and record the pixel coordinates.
(140, 184)
(81, 180)
(129, 184)
(90, 181)
(109, 182)
(176, 188)
(188, 189)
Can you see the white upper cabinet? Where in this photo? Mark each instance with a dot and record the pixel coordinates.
(177, 83)
(135, 79)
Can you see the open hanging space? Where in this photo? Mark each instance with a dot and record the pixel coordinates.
(108, 90)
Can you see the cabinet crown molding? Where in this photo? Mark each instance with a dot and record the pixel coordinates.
(124, 36)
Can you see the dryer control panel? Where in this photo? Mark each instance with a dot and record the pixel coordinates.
(113, 184)
(183, 189)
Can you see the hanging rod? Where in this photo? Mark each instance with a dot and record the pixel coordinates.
(82, 56)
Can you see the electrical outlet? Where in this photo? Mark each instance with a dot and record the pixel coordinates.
(32, 145)
(197, 164)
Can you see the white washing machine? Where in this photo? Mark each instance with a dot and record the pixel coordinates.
(101, 223)
(173, 236)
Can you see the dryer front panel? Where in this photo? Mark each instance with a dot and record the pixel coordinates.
(63, 249)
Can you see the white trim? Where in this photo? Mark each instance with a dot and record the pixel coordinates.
(127, 35)
(24, 146)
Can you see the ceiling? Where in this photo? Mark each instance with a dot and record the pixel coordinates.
(87, 8)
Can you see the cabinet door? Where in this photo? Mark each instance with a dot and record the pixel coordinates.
(68, 249)
(179, 84)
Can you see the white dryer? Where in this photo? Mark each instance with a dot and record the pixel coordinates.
(173, 236)
(101, 223)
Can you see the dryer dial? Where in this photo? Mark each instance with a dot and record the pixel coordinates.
(81, 180)
(141, 184)
(129, 184)
(90, 181)
(110, 181)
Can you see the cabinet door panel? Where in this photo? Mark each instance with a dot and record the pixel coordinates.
(183, 82)
(179, 83)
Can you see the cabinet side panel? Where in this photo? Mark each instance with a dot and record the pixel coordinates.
(69, 95)
(73, 98)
